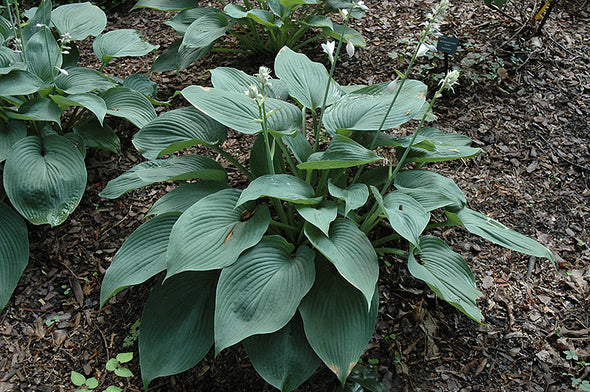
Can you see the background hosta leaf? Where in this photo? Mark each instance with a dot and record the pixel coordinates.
(177, 325)
(181, 21)
(121, 43)
(484, 226)
(338, 323)
(213, 232)
(342, 152)
(83, 80)
(231, 79)
(38, 109)
(259, 165)
(299, 146)
(447, 274)
(355, 196)
(14, 251)
(405, 214)
(141, 256)
(431, 189)
(166, 5)
(202, 32)
(141, 83)
(306, 80)
(92, 102)
(261, 291)
(45, 178)
(349, 249)
(176, 130)
(320, 216)
(129, 104)
(244, 116)
(79, 20)
(283, 358)
(445, 147)
(10, 133)
(280, 186)
(99, 136)
(42, 54)
(176, 168)
(184, 196)
(18, 82)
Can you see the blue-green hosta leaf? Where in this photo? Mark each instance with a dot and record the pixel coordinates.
(306, 80)
(129, 104)
(166, 5)
(341, 153)
(38, 109)
(43, 55)
(10, 133)
(39, 19)
(172, 169)
(79, 20)
(259, 165)
(45, 178)
(176, 130)
(14, 251)
(98, 136)
(92, 102)
(141, 83)
(320, 216)
(177, 58)
(405, 214)
(177, 325)
(319, 21)
(355, 196)
(366, 112)
(485, 227)
(184, 196)
(338, 323)
(231, 79)
(446, 147)
(141, 256)
(18, 82)
(240, 112)
(261, 291)
(205, 30)
(447, 274)
(6, 31)
(9, 60)
(283, 358)
(431, 189)
(299, 146)
(181, 21)
(78, 141)
(213, 232)
(349, 249)
(83, 80)
(350, 34)
(121, 43)
(280, 186)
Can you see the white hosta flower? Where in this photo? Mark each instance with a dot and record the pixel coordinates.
(252, 91)
(328, 48)
(425, 48)
(361, 5)
(350, 49)
(40, 25)
(66, 37)
(263, 75)
(450, 80)
(62, 71)
(440, 10)
(344, 13)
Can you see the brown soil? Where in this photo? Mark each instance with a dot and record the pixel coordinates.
(525, 100)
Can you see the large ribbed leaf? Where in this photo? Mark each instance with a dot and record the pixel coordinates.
(240, 112)
(338, 323)
(14, 251)
(280, 186)
(355, 196)
(205, 30)
(181, 21)
(129, 104)
(231, 79)
(299, 146)
(141, 83)
(45, 178)
(18, 82)
(283, 358)
(181, 198)
(43, 54)
(9, 60)
(445, 147)
(176, 130)
(177, 58)
(10, 133)
(431, 189)
(141, 256)
(349, 249)
(83, 80)
(447, 274)
(6, 32)
(38, 109)
(99, 136)
(261, 291)
(366, 112)
(92, 102)
(177, 325)
(405, 214)
(176, 168)
(79, 20)
(39, 18)
(321, 216)
(306, 80)
(166, 5)
(121, 43)
(342, 152)
(213, 232)
(484, 226)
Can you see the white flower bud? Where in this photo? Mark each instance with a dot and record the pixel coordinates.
(350, 49)
(328, 48)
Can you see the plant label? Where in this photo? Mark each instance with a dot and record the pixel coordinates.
(447, 44)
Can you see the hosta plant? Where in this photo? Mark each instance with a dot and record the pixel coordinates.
(288, 264)
(51, 110)
(257, 27)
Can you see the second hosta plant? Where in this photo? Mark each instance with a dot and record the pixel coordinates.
(288, 264)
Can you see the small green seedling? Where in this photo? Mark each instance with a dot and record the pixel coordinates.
(114, 365)
(131, 338)
(84, 384)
